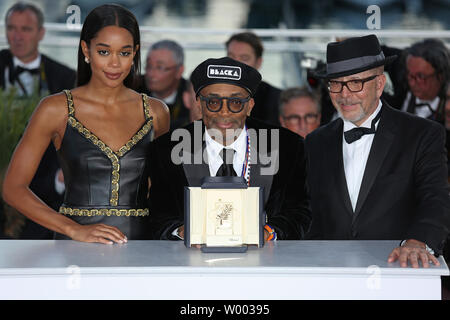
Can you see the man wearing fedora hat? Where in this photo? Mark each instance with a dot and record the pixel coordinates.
(376, 172)
(228, 143)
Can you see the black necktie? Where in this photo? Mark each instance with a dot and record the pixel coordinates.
(356, 133)
(226, 169)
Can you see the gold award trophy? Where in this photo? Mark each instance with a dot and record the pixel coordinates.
(224, 215)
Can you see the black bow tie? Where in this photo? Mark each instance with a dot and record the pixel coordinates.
(412, 105)
(18, 70)
(226, 169)
(356, 133)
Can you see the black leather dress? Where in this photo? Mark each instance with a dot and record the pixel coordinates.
(102, 185)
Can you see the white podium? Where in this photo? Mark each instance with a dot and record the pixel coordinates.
(45, 269)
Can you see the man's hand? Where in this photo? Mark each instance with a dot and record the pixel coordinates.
(266, 235)
(412, 251)
(181, 231)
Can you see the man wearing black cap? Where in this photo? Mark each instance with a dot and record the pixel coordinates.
(376, 173)
(228, 142)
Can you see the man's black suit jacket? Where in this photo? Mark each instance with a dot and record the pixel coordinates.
(58, 78)
(286, 197)
(404, 192)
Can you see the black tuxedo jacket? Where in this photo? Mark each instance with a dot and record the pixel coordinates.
(58, 78)
(286, 197)
(404, 191)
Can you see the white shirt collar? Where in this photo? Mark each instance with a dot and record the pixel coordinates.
(171, 98)
(348, 125)
(214, 148)
(29, 65)
(433, 103)
(421, 111)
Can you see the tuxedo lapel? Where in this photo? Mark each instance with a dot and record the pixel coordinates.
(379, 150)
(260, 167)
(197, 167)
(261, 180)
(337, 169)
(195, 172)
(6, 61)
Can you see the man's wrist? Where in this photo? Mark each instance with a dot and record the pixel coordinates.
(271, 231)
(417, 243)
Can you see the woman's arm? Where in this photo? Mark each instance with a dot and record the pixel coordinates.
(46, 125)
(161, 116)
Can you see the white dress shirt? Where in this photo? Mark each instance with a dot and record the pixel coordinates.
(26, 78)
(421, 111)
(213, 149)
(355, 156)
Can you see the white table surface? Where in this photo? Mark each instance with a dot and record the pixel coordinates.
(64, 269)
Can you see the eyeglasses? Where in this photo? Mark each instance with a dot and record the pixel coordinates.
(160, 69)
(420, 77)
(234, 104)
(295, 119)
(355, 85)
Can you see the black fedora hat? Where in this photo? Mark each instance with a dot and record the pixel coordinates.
(225, 70)
(353, 55)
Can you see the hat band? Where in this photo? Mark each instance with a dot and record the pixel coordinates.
(354, 63)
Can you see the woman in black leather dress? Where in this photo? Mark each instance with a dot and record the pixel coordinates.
(101, 130)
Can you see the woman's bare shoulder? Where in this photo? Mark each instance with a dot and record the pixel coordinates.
(157, 107)
(55, 104)
(161, 115)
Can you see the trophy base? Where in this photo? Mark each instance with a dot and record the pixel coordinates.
(238, 249)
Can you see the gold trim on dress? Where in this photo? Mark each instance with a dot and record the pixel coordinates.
(104, 212)
(111, 154)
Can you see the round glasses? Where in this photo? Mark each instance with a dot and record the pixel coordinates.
(355, 85)
(234, 104)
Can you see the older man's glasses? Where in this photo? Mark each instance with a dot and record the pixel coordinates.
(355, 85)
(420, 77)
(160, 69)
(295, 119)
(234, 104)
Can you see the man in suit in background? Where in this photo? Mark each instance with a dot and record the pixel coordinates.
(300, 110)
(419, 79)
(247, 48)
(24, 68)
(163, 79)
(376, 172)
(228, 142)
